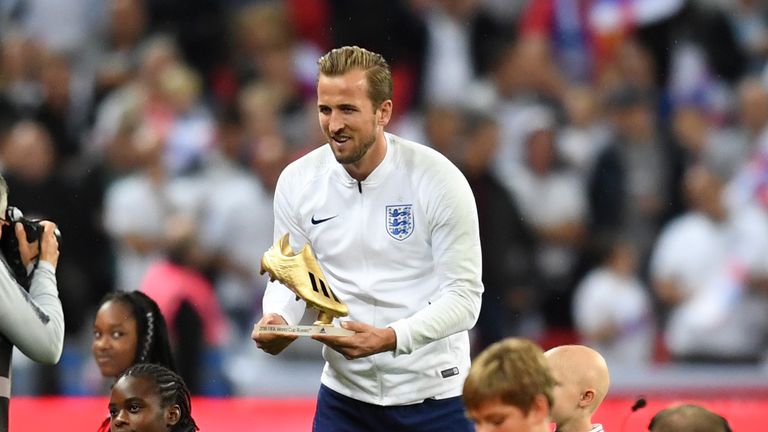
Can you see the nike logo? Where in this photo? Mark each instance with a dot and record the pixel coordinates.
(319, 221)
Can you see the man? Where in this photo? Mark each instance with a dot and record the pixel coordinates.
(582, 383)
(394, 225)
(510, 388)
(32, 321)
(707, 269)
(688, 418)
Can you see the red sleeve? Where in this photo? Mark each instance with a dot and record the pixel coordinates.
(537, 18)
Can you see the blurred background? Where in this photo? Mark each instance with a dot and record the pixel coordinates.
(617, 149)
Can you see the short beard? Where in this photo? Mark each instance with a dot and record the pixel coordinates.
(355, 157)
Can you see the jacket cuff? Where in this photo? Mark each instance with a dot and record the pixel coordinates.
(403, 334)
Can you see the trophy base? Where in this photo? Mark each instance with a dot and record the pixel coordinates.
(303, 330)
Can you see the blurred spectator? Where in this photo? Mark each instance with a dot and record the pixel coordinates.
(271, 127)
(188, 302)
(553, 204)
(699, 30)
(461, 40)
(134, 104)
(505, 12)
(566, 28)
(19, 73)
(505, 240)
(585, 133)
(267, 49)
(66, 27)
(749, 20)
(612, 309)
(137, 207)
(749, 185)
(631, 65)
(443, 126)
(585, 35)
(118, 59)
(632, 187)
(752, 97)
(277, 73)
(702, 269)
(236, 226)
(190, 135)
(60, 111)
(703, 141)
(523, 76)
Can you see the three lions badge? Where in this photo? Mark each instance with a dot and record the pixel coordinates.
(399, 221)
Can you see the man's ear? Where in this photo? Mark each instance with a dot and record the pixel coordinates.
(172, 415)
(587, 398)
(384, 113)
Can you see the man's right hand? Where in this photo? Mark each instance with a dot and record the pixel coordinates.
(271, 343)
(49, 245)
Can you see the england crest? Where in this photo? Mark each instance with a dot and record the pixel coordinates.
(400, 221)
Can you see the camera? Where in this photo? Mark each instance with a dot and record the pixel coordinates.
(9, 244)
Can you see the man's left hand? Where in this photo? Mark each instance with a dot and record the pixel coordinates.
(367, 340)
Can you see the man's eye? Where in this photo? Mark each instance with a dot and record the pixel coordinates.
(113, 412)
(134, 408)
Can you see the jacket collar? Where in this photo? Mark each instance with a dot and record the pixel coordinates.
(379, 173)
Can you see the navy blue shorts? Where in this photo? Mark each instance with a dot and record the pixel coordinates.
(338, 413)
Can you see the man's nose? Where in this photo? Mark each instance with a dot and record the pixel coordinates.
(336, 123)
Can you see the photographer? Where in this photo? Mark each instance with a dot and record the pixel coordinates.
(31, 320)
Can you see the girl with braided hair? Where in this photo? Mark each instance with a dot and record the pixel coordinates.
(129, 329)
(150, 398)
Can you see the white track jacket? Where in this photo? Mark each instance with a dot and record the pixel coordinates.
(402, 250)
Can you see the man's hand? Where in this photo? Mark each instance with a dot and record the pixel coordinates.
(367, 340)
(49, 245)
(271, 343)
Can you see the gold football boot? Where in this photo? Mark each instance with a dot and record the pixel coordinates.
(301, 273)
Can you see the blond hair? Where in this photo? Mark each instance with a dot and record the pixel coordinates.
(513, 371)
(345, 59)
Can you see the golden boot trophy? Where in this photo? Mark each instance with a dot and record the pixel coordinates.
(301, 273)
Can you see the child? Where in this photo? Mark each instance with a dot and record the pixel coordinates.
(612, 309)
(129, 329)
(149, 398)
(509, 388)
(583, 380)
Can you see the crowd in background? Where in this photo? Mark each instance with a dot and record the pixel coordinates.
(617, 150)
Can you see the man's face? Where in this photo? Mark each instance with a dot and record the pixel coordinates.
(135, 406)
(347, 116)
(496, 416)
